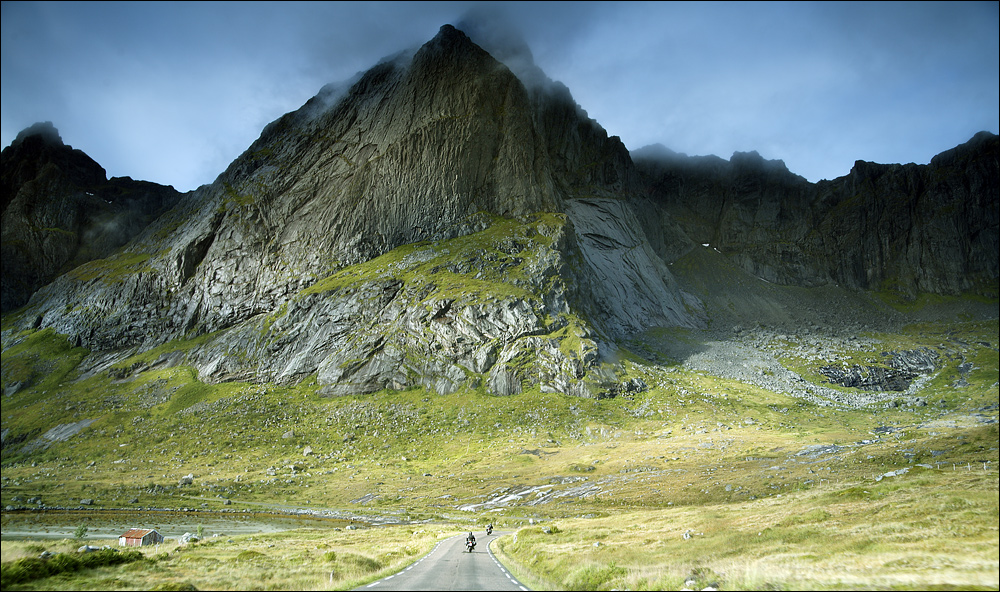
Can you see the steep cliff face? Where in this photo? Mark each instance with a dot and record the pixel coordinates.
(490, 308)
(60, 210)
(406, 153)
(745, 206)
(917, 228)
(903, 228)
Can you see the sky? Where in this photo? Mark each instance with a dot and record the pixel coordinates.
(173, 92)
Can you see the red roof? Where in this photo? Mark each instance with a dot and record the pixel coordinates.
(136, 533)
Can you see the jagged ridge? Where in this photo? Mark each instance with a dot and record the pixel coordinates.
(903, 228)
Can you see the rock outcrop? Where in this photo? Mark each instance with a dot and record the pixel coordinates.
(630, 288)
(490, 308)
(896, 375)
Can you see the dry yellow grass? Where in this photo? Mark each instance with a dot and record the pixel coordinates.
(306, 559)
(935, 530)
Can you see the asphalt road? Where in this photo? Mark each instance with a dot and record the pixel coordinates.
(450, 567)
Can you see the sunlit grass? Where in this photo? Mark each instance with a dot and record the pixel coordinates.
(819, 539)
(305, 559)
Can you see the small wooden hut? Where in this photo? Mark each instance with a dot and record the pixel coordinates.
(139, 537)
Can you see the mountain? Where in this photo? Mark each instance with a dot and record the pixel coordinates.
(60, 210)
(448, 221)
(905, 228)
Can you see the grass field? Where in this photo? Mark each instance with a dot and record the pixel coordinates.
(698, 478)
(306, 559)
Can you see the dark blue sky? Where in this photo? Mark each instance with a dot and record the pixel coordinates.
(173, 92)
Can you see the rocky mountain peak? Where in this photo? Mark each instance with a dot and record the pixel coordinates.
(452, 47)
(43, 131)
(491, 31)
(981, 146)
(448, 40)
(60, 210)
(39, 148)
(753, 161)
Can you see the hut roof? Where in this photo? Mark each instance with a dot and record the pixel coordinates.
(136, 533)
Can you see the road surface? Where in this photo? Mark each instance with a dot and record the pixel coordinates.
(450, 567)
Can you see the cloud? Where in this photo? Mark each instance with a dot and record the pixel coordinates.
(816, 85)
(173, 92)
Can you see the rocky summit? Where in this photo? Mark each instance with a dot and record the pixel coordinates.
(60, 210)
(450, 220)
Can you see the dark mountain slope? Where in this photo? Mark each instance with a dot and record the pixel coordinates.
(903, 228)
(60, 210)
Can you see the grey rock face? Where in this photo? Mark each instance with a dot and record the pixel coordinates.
(930, 228)
(59, 433)
(905, 228)
(632, 289)
(422, 319)
(902, 367)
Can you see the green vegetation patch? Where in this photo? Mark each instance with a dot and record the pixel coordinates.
(41, 359)
(933, 305)
(489, 262)
(31, 568)
(114, 268)
(248, 556)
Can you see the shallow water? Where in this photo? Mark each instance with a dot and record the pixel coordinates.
(109, 525)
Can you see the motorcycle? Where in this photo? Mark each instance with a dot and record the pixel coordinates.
(489, 530)
(470, 544)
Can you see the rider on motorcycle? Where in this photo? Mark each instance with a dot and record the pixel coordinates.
(470, 542)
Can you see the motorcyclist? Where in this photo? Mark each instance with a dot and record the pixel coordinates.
(489, 529)
(470, 540)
